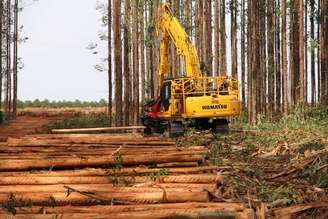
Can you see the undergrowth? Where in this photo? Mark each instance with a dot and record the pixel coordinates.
(304, 128)
(84, 121)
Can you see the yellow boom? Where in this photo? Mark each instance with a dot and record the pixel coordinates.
(168, 27)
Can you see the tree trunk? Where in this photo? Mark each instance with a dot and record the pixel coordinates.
(208, 36)
(255, 60)
(173, 56)
(187, 11)
(243, 51)
(15, 66)
(313, 81)
(127, 75)
(1, 51)
(284, 57)
(318, 53)
(271, 55)
(234, 57)
(324, 55)
(135, 54)
(301, 54)
(277, 61)
(223, 63)
(306, 75)
(118, 61)
(8, 59)
(262, 77)
(250, 45)
(295, 52)
(109, 74)
(142, 53)
(217, 56)
(200, 21)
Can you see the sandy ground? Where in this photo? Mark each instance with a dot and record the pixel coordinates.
(25, 125)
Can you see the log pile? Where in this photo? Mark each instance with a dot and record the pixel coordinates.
(109, 176)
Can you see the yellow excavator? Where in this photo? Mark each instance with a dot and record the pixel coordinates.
(205, 102)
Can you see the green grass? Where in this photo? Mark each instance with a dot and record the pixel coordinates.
(303, 128)
(84, 121)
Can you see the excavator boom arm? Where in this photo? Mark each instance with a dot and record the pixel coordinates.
(169, 28)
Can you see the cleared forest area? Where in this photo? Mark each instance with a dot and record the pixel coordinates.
(273, 162)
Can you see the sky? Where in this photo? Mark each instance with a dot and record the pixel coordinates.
(57, 63)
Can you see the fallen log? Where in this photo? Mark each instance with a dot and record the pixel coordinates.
(85, 199)
(111, 172)
(193, 213)
(141, 187)
(128, 208)
(176, 164)
(72, 162)
(123, 141)
(7, 150)
(90, 156)
(97, 130)
(289, 211)
(196, 178)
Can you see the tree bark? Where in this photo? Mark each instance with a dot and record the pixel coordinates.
(318, 52)
(8, 59)
(262, 77)
(135, 55)
(187, 11)
(271, 55)
(313, 79)
(208, 37)
(15, 64)
(223, 63)
(277, 60)
(200, 21)
(118, 61)
(1, 52)
(109, 73)
(301, 54)
(295, 52)
(127, 75)
(142, 54)
(243, 51)
(234, 56)
(217, 55)
(324, 55)
(284, 57)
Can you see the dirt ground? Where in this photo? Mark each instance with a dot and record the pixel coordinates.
(25, 125)
(32, 120)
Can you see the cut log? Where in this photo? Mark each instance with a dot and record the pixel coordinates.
(30, 164)
(142, 187)
(111, 172)
(27, 141)
(289, 211)
(97, 130)
(196, 178)
(74, 198)
(191, 213)
(239, 207)
(96, 149)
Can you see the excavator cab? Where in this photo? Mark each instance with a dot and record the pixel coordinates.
(166, 96)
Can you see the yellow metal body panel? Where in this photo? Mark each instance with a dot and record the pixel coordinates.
(218, 97)
(209, 107)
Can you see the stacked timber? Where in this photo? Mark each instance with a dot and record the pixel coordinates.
(108, 176)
